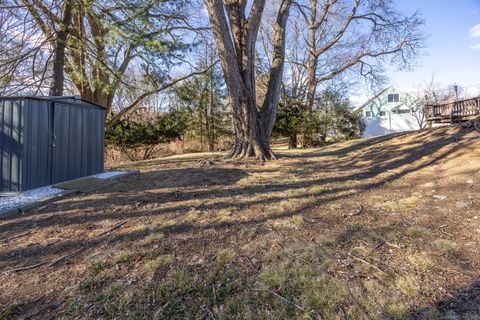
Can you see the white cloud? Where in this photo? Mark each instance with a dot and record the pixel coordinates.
(474, 31)
(475, 46)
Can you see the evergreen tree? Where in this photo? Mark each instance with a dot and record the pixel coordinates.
(332, 116)
(204, 97)
(138, 139)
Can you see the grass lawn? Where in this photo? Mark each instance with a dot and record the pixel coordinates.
(383, 228)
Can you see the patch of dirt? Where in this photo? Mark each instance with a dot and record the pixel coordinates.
(387, 227)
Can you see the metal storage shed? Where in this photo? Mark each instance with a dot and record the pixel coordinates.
(46, 140)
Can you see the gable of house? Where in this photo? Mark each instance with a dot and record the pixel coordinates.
(388, 101)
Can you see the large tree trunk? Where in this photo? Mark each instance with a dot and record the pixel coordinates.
(56, 88)
(235, 37)
(87, 71)
(251, 138)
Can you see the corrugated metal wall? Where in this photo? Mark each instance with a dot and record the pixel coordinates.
(36, 145)
(85, 125)
(45, 141)
(11, 143)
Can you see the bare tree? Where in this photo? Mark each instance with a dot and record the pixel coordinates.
(102, 47)
(356, 36)
(236, 36)
(416, 103)
(24, 55)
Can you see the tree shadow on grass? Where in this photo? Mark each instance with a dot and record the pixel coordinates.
(464, 304)
(355, 145)
(218, 185)
(188, 178)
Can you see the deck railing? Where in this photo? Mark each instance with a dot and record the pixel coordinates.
(464, 108)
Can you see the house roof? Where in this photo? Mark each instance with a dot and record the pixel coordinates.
(371, 99)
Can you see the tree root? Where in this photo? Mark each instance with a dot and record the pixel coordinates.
(248, 151)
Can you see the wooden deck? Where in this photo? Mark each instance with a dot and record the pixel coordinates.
(461, 110)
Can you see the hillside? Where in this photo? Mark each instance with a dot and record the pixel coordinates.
(386, 227)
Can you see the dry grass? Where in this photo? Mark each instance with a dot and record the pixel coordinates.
(349, 231)
(154, 237)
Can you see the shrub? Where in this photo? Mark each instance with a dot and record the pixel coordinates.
(138, 139)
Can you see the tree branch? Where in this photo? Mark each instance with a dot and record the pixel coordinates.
(144, 95)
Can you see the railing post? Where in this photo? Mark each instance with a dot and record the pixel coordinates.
(451, 112)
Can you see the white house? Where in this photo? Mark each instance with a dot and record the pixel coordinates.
(391, 111)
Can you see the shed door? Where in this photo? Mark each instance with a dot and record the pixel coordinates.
(67, 142)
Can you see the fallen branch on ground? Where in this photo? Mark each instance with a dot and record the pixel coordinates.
(37, 312)
(112, 229)
(368, 263)
(291, 255)
(26, 268)
(286, 300)
(65, 257)
(375, 249)
(17, 236)
(358, 211)
(254, 266)
(443, 231)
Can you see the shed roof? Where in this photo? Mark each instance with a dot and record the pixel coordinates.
(58, 98)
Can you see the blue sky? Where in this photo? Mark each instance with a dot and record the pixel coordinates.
(453, 44)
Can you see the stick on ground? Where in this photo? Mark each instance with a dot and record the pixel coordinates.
(38, 311)
(369, 264)
(65, 257)
(285, 300)
(17, 236)
(27, 267)
(359, 210)
(118, 225)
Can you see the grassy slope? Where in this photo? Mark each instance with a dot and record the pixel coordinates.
(370, 229)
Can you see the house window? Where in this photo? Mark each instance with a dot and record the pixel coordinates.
(382, 113)
(368, 114)
(402, 111)
(393, 97)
